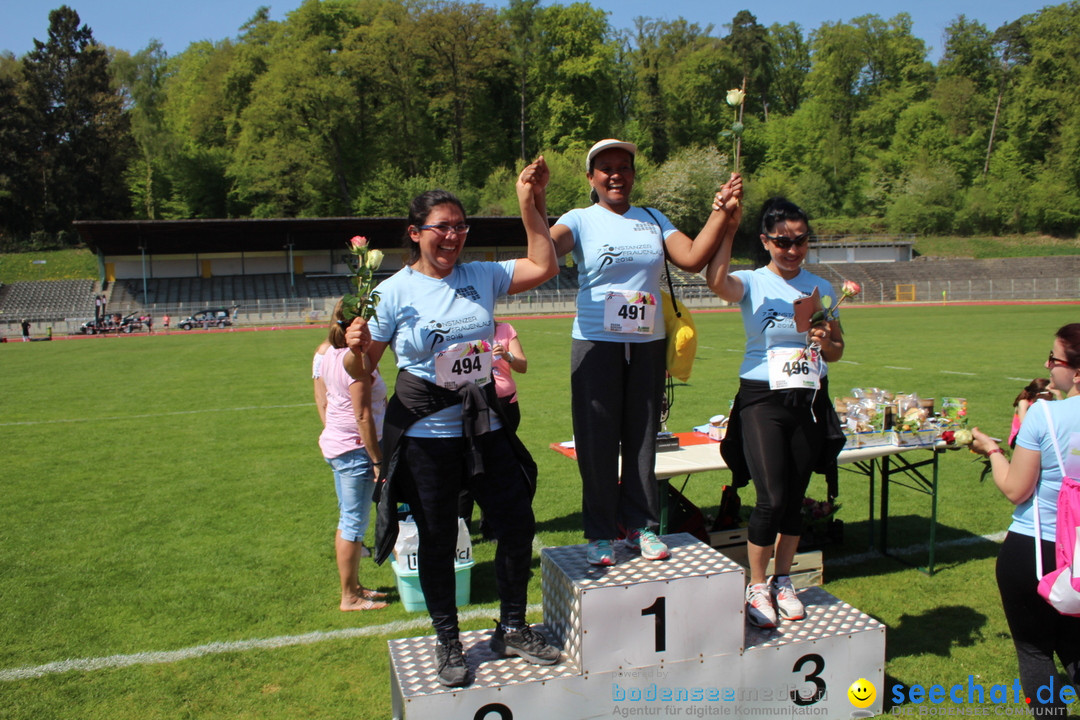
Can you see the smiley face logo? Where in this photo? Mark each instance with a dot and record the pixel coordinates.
(862, 693)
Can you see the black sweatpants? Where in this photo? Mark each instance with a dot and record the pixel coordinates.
(616, 389)
(431, 479)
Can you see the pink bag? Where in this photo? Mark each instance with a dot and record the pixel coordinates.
(1061, 587)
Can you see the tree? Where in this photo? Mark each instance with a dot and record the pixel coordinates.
(295, 154)
(521, 16)
(1011, 51)
(969, 53)
(82, 136)
(464, 47)
(198, 120)
(579, 104)
(749, 43)
(16, 147)
(790, 61)
(142, 80)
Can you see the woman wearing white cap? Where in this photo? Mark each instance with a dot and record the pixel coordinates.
(618, 357)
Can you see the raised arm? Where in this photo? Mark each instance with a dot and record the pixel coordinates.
(539, 263)
(718, 273)
(693, 255)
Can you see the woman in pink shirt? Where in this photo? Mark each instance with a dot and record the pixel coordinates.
(352, 423)
(508, 356)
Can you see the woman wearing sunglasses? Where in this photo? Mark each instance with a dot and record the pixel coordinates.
(443, 428)
(1038, 630)
(782, 408)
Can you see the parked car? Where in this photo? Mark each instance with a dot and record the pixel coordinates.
(112, 323)
(211, 317)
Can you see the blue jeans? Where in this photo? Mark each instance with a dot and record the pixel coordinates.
(354, 482)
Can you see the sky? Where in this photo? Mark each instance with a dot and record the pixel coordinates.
(131, 24)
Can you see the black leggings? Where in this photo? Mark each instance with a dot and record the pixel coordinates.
(780, 441)
(1038, 630)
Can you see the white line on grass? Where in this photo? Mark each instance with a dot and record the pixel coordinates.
(895, 367)
(154, 415)
(954, 372)
(217, 648)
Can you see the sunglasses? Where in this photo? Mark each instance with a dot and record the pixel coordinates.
(1054, 362)
(784, 242)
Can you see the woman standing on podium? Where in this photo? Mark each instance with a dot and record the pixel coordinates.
(782, 412)
(618, 353)
(443, 428)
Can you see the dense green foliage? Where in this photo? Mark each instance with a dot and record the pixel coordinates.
(351, 106)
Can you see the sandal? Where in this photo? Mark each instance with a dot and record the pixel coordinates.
(365, 604)
(369, 594)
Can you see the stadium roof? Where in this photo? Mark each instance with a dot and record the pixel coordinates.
(168, 237)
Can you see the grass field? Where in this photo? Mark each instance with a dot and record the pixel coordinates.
(167, 518)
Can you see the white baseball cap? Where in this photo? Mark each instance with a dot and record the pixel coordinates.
(604, 145)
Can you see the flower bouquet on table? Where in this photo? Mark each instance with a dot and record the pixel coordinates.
(366, 260)
(954, 415)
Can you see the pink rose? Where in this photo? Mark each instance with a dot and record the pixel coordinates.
(851, 288)
(358, 242)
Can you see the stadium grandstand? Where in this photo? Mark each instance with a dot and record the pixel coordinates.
(293, 270)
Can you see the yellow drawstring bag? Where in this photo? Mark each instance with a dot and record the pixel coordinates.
(681, 337)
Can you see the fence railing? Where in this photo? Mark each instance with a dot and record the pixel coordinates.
(317, 310)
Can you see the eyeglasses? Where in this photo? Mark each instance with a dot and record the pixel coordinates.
(1054, 362)
(784, 242)
(443, 229)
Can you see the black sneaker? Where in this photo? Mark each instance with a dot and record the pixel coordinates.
(524, 642)
(450, 663)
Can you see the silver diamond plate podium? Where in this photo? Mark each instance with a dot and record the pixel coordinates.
(659, 639)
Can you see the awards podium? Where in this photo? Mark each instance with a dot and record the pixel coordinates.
(662, 639)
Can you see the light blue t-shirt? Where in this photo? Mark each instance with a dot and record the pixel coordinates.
(1035, 435)
(419, 315)
(768, 315)
(616, 252)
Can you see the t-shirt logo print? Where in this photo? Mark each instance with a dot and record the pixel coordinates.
(468, 292)
(436, 332)
(608, 255)
(772, 318)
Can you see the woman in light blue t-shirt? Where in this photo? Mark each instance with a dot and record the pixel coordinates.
(1038, 630)
(618, 357)
(782, 419)
(442, 429)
